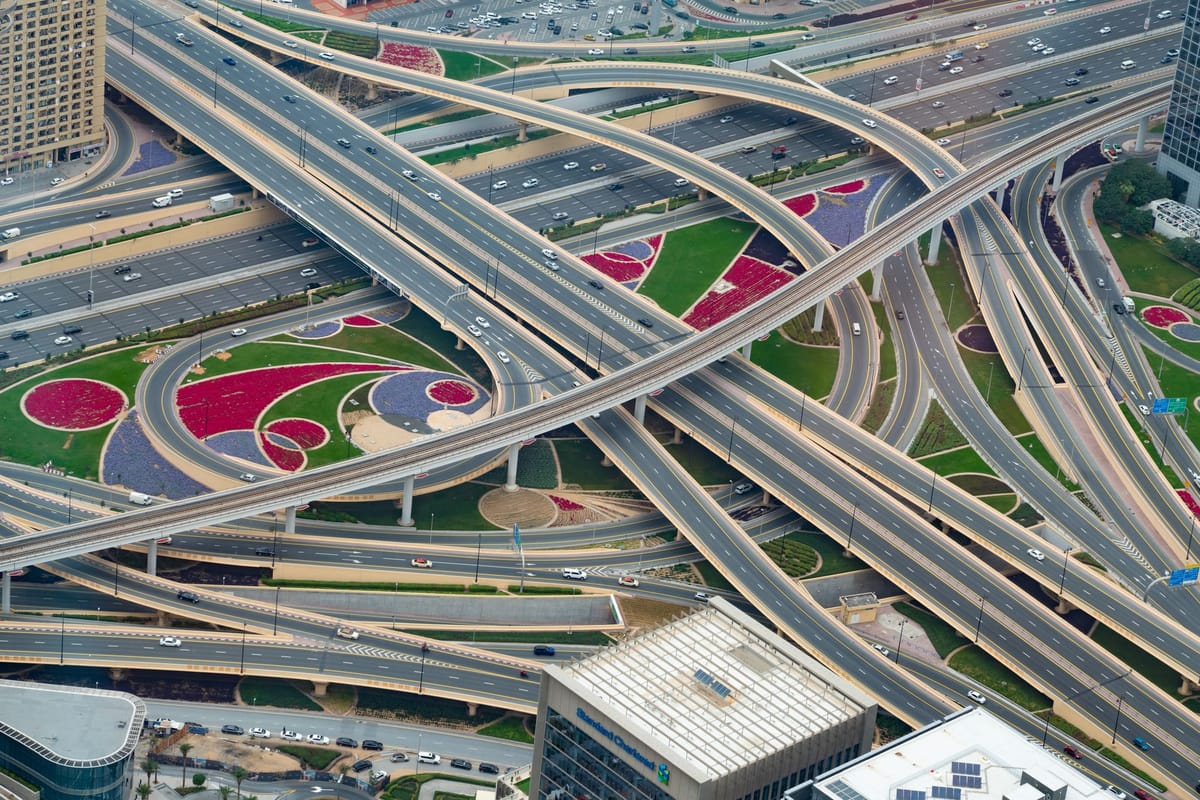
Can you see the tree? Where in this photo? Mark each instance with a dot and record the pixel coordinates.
(239, 775)
(143, 790)
(1137, 222)
(198, 779)
(149, 766)
(184, 749)
(224, 791)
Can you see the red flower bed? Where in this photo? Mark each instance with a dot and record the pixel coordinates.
(617, 266)
(752, 280)
(282, 457)
(73, 404)
(234, 402)
(1189, 501)
(1163, 316)
(360, 321)
(802, 205)
(846, 188)
(421, 59)
(304, 432)
(452, 393)
(563, 504)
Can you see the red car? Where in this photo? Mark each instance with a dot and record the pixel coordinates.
(1073, 751)
(1142, 794)
(911, 16)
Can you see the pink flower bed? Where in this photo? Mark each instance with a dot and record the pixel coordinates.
(234, 402)
(1163, 316)
(563, 504)
(802, 205)
(360, 321)
(452, 393)
(304, 432)
(421, 59)
(282, 457)
(1189, 501)
(73, 404)
(617, 266)
(846, 188)
(752, 280)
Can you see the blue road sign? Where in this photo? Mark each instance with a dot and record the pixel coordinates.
(1182, 577)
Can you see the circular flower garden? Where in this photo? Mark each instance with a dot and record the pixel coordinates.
(73, 404)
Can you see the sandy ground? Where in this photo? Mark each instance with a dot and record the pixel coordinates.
(238, 750)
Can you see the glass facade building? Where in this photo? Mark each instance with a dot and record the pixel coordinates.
(73, 744)
(1180, 155)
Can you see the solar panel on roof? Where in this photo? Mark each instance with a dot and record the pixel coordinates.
(946, 793)
(720, 689)
(910, 794)
(968, 781)
(702, 676)
(966, 768)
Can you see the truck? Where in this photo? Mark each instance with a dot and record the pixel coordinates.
(165, 727)
(183, 39)
(10, 233)
(196, 728)
(221, 202)
(347, 633)
(139, 499)
(1129, 306)
(162, 202)
(954, 55)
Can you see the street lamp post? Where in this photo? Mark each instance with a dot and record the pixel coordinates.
(275, 626)
(850, 535)
(1117, 721)
(478, 547)
(242, 665)
(1021, 371)
(1062, 581)
(729, 449)
(513, 90)
(91, 262)
(979, 621)
(900, 639)
(950, 308)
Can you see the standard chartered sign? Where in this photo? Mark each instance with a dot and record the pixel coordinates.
(616, 739)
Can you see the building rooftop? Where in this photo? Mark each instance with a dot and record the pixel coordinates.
(69, 724)
(971, 755)
(718, 688)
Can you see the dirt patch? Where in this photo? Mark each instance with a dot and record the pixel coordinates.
(522, 507)
(373, 433)
(639, 612)
(240, 751)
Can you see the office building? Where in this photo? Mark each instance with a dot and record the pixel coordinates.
(1179, 158)
(969, 755)
(711, 706)
(71, 743)
(51, 82)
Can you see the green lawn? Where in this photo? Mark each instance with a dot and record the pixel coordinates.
(944, 638)
(320, 402)
(388, 342)
(809, 369)
(887, 353)
(992, 380)
(704, 465)
(691, 259)
(453, 509)
(273, 692)
(579, 461)
(468, 66)
(953, 462)
(881, 406)
(273, 353)
(1187, 348)
(76, 452)
(978, 665)
(511, 728)
(834, 561)
(1179, 382)
(427, 333)
(938, 432)
(1146, 665)
(712, 577)
(948, 285)
(1147, 267)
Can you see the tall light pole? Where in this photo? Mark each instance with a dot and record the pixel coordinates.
(91, 262)
(900, 638)
(979, 621)
(513, 89)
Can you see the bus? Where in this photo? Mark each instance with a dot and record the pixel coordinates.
(954, 55)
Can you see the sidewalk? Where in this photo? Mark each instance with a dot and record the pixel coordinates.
(886, 630)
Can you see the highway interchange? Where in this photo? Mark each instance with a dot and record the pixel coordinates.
(795, 470)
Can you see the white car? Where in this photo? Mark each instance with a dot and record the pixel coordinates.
(434, 196)
(870, 123)
(1033, 41)
(422, 563)
(6, 181)
(291, 736)
(1164, 15)
(408, 173)
(316, 738)
(290, 43)
(176, 192)
(62, 340)
(891, 80)
(977, 697)
(56, 181)
(482, 322)
(248, 477)
(503, 356)
(529, 183)
(883, 650)
(548, 253)
(980, 26)
(726, 118)
(326, 56)
(238, 332)
(1048, 51)
(474, 331)
(1144, 409)
(1035, 554)
(4, 298)
(1106, 29)
(1114, 790)
(938, 172)
(956, 70)
(132, 276)
(598, 167)
(1039, 46)
(571, 165)
(595, 51)
(807, 37)
(169, 641)
(944, 142)
(703, 597)
(307, 272)
(552, 266)
(260, 733)
(500, 185)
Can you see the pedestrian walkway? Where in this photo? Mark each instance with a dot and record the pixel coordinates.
(886, 630)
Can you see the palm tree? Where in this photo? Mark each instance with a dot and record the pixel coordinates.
(149, 766)
(143, 790)
(239, 775)
(184, 749)
(224, 791)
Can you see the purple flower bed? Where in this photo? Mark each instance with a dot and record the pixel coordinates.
(318, 331)
(152, 154)
(841, 220)
(239, 444)
(389, 314)
(638, 249)
(1187, 331)
(406, 395)
(279, 440)
(130, 460)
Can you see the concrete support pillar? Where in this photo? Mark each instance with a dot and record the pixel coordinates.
(522, 131)
(152, 557)
(876, 280)
(1188, 687)
(639, 409)
(1059, 163)
(678, 437)
(766, 497)
(818, 316)
(1063, 607)
(406, 519)
(289, 519)
(935, 241)
(747, 349)
(459, 344)
(6, 594)
(320, 688)
(701, 194)
(510, 484)
(178, 139)
(1139, 145)
(163, 619)
(472, 709)
(605, 461)
(372, 92)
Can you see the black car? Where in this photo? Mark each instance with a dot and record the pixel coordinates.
(773, 16)
(1005, 93)
(595, 284)
(489, 768)
(730, 10)
(3, 355)
(1092, 99)
(362, 766)
(460, 763)
(235, 730)
(23, 313)
(19, 335)
(230, 61)
(371, 149)
(1165, 60)
(1119, 308)
(346, 741)
(758, 44)
(69, 329)
(1081, 71)
(291, 98)
(191, 597)
(371, 744)
(191, 3)
(121, 270)
(266, 551)
(790, 121)
(645, 323)
(313, 285)
(616, 187)
(630, 51)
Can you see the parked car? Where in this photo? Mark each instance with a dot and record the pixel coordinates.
(371, 744)
(291, 736)
(346, 741)
(1073, 751)
(232, 730)
(316, 738)
(260, 733)
(460, 763)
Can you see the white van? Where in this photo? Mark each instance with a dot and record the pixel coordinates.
(162, 202)
(139, 499)
(10, 233)
(856, 329)
(572, 574)
(1128, 64)
(425, 757)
